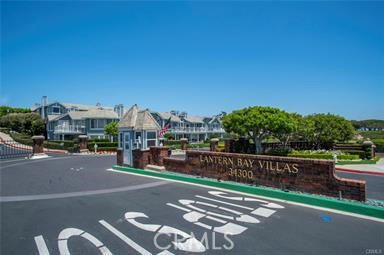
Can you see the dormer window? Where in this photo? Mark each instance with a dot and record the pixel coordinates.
(56, 110)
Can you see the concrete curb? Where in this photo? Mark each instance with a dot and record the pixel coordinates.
(308, 199)
(376, 173)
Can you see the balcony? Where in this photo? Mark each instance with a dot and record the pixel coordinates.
(197, 130)
(69, 129)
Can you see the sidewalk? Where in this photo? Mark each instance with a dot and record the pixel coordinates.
(374, 169)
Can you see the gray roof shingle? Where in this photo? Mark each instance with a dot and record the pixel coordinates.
(138, 120)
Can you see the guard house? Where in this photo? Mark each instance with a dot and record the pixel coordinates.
(137, 130)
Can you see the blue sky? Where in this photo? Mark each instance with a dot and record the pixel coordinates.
(201, 57)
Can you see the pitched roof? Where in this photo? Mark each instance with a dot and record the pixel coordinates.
(195, 119)
(138, 120)
(92, 114)
(86, 107)
(166, 115)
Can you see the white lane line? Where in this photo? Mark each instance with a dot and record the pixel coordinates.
(264, 212)
(257, 196)
(80, 193)
(41, 245)
(226, 203)
(124, 238)
(179, 207)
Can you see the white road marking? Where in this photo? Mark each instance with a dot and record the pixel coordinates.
(190, 244)
(65, 234)
(131, 216)
(80, 193)
(179, 207)
(267, 204)
(124, 238)
(165, 252)
(226, 203)
(264, 212)
(41, 245)
(257, 196)
(240, 216)
(230, 229)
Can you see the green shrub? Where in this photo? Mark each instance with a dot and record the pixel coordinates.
(379, 144)
(373, 134)
(4, 130)
(171, 142)
(102, 144)
(199, 145)
(312, 156)
(278, 152)
(22, 138)
(360, 153)
(348, 157)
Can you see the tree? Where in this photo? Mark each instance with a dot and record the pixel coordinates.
(325, 128)
(258, 122)
(4, 110)
(111, 129)
(27, 123)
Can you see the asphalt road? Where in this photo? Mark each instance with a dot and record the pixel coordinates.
(73, 205)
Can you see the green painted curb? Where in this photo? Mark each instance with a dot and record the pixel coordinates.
(320, 201)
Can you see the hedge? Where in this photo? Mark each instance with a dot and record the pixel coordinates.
(379, 144)
(360, 153)
(324, 156)
(66, 143)
(21, 138)
(103, 144)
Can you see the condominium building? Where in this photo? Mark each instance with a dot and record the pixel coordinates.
(194, 128)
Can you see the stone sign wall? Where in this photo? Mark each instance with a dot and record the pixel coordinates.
(306, 175)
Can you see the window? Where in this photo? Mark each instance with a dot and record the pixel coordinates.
(98, 123)
(93, 123)
(126, 141)
(151, 139)
(121, 140)
(151, 135)
(56, 110)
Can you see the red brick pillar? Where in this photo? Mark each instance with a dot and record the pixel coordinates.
(214, 144)
(38, 144)
(158, 154)
(119, 157)
(83, 143)
(228, 145)
(184, 144)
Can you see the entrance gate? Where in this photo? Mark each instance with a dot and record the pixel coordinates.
(13, 149)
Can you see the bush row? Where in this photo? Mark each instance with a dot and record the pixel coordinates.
(379, 144)
(324, 156)
(102, 144)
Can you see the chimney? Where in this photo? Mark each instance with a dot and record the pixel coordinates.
(44, 103)
(119, 109)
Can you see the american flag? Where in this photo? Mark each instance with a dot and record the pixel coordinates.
(165, 128)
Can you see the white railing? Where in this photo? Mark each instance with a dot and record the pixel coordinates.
(69, 129)
(196, 130)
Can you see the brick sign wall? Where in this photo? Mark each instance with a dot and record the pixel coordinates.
(312, 176)
(306, 175)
